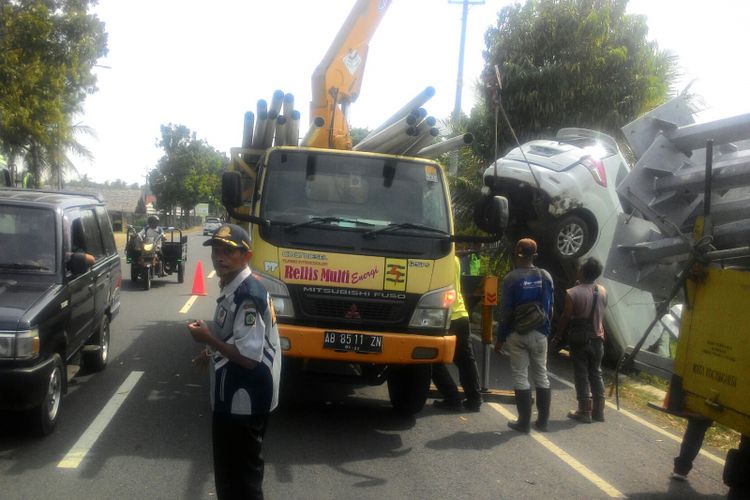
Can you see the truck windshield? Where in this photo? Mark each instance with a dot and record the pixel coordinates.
(360, 191)
(27, 240)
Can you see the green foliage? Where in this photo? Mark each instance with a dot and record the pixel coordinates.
(568, 63)
(47, 51)
(189, 172)
(357, 134)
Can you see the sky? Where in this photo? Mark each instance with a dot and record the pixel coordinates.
(203, 64)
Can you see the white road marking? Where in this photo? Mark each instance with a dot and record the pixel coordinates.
(645, 423)
(188, 304)
(87, 440)
(577, 466)
(211, 274)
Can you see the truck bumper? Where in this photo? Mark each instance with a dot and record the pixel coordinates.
(24, 388)
(397, 348)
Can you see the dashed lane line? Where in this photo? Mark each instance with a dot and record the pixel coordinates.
(87, 440)
(188, 304)
(211, 274)
(644, 422)
(577, 466)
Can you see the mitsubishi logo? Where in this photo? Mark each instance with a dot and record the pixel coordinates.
(352, 313)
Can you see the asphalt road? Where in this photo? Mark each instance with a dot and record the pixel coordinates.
(141, 429)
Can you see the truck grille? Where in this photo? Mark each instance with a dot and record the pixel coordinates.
(354, 310)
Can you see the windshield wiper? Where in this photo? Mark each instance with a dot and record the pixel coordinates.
(403, 225)
(16, 265)
(325, 220)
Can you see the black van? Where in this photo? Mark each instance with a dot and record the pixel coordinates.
(59, 290)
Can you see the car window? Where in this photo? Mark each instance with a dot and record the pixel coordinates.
(105, 226)
(92, 235)
(27, 239)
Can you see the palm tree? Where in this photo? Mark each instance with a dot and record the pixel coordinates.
(53, 159)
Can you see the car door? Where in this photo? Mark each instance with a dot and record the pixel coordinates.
(101, 274)
(80, 286)
(111, 261)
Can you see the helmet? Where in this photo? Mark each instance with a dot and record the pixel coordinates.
(153, 219)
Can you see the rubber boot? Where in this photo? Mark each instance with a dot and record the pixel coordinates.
(543, 401)
(583, 413)
(523, 405)
(597, 410)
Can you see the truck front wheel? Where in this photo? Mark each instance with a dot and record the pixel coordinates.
(408, 387)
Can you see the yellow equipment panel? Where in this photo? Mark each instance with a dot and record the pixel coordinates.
(714, 348)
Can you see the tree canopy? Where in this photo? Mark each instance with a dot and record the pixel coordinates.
(47, 51)
(568, 63)
(189, 172)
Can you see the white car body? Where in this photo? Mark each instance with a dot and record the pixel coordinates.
(210, 225)
(572, 209)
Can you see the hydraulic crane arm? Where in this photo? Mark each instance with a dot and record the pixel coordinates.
(338, 78)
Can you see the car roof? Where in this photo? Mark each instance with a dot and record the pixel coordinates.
(565, 150)
(50, 199)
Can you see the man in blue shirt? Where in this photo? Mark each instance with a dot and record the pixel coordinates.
(527, 348)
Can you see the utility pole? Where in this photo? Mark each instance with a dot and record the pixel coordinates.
(453, 164)
(460, 77)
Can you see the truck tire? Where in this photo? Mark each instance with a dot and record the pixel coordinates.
(181, 272)
(408, 387)
(95, 360)
(44, 417)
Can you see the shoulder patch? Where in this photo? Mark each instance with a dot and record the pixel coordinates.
(250, 318)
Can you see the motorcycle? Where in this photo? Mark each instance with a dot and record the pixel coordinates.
(155, 257)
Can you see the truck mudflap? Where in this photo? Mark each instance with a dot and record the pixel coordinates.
(364, 346)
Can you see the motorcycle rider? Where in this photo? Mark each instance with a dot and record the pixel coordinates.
(152, 233)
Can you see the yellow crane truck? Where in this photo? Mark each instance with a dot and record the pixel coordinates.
(688, 241)
(356, 247)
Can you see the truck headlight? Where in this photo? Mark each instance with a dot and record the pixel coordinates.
(433, 309)
(282, 301)
(19, 345)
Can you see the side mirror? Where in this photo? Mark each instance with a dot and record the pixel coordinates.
(231, 189)
(77, 263)
(491, 214)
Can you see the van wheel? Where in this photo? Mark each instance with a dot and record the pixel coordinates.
(408, 387)
(45, 416)
(181, 272)
(96, 359)
(571, 237)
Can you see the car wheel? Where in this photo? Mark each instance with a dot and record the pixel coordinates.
(571, 237)
(45, 415)
(96, 360)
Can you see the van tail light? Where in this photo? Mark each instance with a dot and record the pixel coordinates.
(596, 167)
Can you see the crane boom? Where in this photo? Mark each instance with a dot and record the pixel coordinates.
(338, 78)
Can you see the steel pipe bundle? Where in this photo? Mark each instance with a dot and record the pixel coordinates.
(260, 124)
(415, 103)
(451, 144)
(280, 133)
(292, 129)
(396, 129)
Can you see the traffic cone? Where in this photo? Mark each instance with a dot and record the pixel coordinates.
(199, 287)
